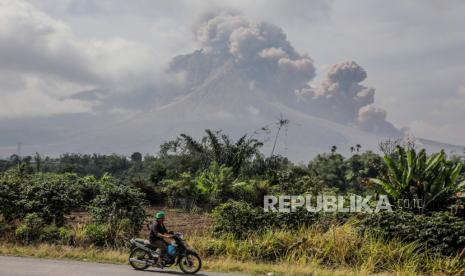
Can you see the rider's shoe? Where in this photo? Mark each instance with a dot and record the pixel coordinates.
(160, 263)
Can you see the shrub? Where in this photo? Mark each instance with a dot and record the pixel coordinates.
(119, 232)
(96, 234)
(6, 229)
(251, 191)
(10, 195)
(52, 196)
(240, 219)
(54, 234)
(236, 217)
(30, 229)
(440, 232)
(50, 233)
(117, 202)
(182, 189)
(89, 188)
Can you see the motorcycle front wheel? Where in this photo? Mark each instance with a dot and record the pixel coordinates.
(142, 258)
(190, 263)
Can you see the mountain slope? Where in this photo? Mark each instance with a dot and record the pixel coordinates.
(223, 101)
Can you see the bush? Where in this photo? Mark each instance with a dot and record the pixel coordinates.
(117, 202)
(183, 190)
(89, 188)
(241, 219)
(50, 233)
(10, 195)
(52, 196)
(440, 232)
(54, 234)
(29, 231)
(251, 191)
(96, 234)
(236, 217)
(6, 229)
(119, 232)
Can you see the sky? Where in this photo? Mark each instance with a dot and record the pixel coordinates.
(53, 51)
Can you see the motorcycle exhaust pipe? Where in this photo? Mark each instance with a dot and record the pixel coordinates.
(138, 261)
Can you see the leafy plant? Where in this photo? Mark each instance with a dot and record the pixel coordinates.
(241, 219)
(184, 189)
(251, 191)
(215, 183)
(54, 234)
(117, 201)
(440, 232)
(96, 234)
(221, 149)
(30, 229)
(51, 195)
(416, 177)
(11, 195)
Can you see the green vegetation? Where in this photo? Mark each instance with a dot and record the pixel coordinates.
(228, 179)
(440, 232)
(431, 181)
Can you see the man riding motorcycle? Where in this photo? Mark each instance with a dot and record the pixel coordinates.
(164, 249)
(159, 235)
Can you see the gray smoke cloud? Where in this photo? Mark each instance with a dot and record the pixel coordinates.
(341, 92)
(262, 55)
(373, 119)
(259, 51)
(342, 98)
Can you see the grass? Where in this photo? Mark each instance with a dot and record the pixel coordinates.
(339, 251)
(339, 248)
(91, 254)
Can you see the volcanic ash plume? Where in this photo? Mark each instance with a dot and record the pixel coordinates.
(373, 119)
(342, 98)
(260, 54)
(259, 51)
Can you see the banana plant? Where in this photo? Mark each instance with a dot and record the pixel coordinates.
(431, 180)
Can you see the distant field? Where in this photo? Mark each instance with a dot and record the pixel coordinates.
(178, 220)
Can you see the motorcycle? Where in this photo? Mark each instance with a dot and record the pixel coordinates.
(143, 255)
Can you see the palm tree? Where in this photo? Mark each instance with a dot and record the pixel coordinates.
(221, 149)
(280, 123)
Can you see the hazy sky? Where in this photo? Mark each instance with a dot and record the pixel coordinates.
(413, 52)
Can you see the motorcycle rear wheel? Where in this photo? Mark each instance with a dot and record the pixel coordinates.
(139, 254)
(190, 263)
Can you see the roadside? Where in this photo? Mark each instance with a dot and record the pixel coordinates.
(26, 266)
(105, 256)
